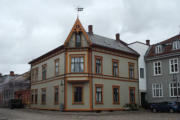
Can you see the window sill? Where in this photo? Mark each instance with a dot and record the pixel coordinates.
(157, 96)
(77, 73)
(78, 103)
(174, 72)
(115, 76)
(98, 74)
(174, 96)
(116, 103)
(157, 75)
(98, 103)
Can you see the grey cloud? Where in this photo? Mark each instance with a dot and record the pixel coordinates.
(31, 28)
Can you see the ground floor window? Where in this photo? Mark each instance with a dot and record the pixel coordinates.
(43, 96)
(116, 95)
(174, 89)
(132, 95)
(36, 96)
(56, 95)
(157, 90)
(99, 93)
(78, 94)
(32, 96)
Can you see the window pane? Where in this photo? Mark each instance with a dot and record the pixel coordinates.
(77, 65)
(98, 94)
(141, 72)
(78, 40)
(78, 94)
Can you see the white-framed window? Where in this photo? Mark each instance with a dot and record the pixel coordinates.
(141, 72)
(158, 49)
(174, 89)
(157, 68)
(176, 45)
(173, 65)
(157, 90)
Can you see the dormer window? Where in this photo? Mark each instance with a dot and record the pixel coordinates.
(158, 49)
(176, 45)
(78, 40)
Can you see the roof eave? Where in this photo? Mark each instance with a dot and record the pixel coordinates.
(46, 54)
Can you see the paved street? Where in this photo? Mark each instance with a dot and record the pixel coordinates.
(27, 114)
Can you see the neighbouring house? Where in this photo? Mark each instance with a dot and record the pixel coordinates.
(88, 72)
(162, 67)
(22, 90)
(12, 84)
(7, 88)
(141, 48)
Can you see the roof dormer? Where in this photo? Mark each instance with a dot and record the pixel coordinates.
(176, 45)
(158, 49)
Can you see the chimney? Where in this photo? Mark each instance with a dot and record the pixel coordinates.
(11, 73)
(90, 29)
(147, 42)
(117, 36)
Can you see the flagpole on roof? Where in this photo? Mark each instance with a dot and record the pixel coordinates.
(79, 9)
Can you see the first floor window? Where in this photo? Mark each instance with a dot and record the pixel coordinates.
(43, 96)
(56, 95)
(116, 94)
(98, 65)
(44, 70)
(99, 94)
(132, 95)
(157, 68)
(174, 89)
(77, 64)
(115, 68)
(32, 75)
(78, 94)
(131, 70)
(157, 90)
(56, 67)
(173, 65)
(36, 96)
(36, 74)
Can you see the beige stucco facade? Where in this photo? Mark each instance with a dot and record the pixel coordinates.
(88, 79)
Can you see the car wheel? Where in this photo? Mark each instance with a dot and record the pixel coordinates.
(154, 110)
(171, 110)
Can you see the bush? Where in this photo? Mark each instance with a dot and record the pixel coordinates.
(131, 106)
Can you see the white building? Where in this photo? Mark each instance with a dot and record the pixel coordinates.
(141, 48)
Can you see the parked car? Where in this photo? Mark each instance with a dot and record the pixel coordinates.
(15, 103)
(165, 107)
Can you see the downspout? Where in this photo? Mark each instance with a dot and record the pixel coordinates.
(92, 79)
(64, 76)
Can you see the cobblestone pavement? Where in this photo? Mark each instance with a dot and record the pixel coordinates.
(28, 114)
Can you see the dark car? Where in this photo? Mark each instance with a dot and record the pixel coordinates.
(15, 103)
(165, 107)
(174, 106)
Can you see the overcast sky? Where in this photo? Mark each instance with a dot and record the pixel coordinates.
(30, 28)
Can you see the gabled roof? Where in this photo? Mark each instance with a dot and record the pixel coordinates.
(77, 27)
(138, 42)
(167, 46)
(110, 43)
